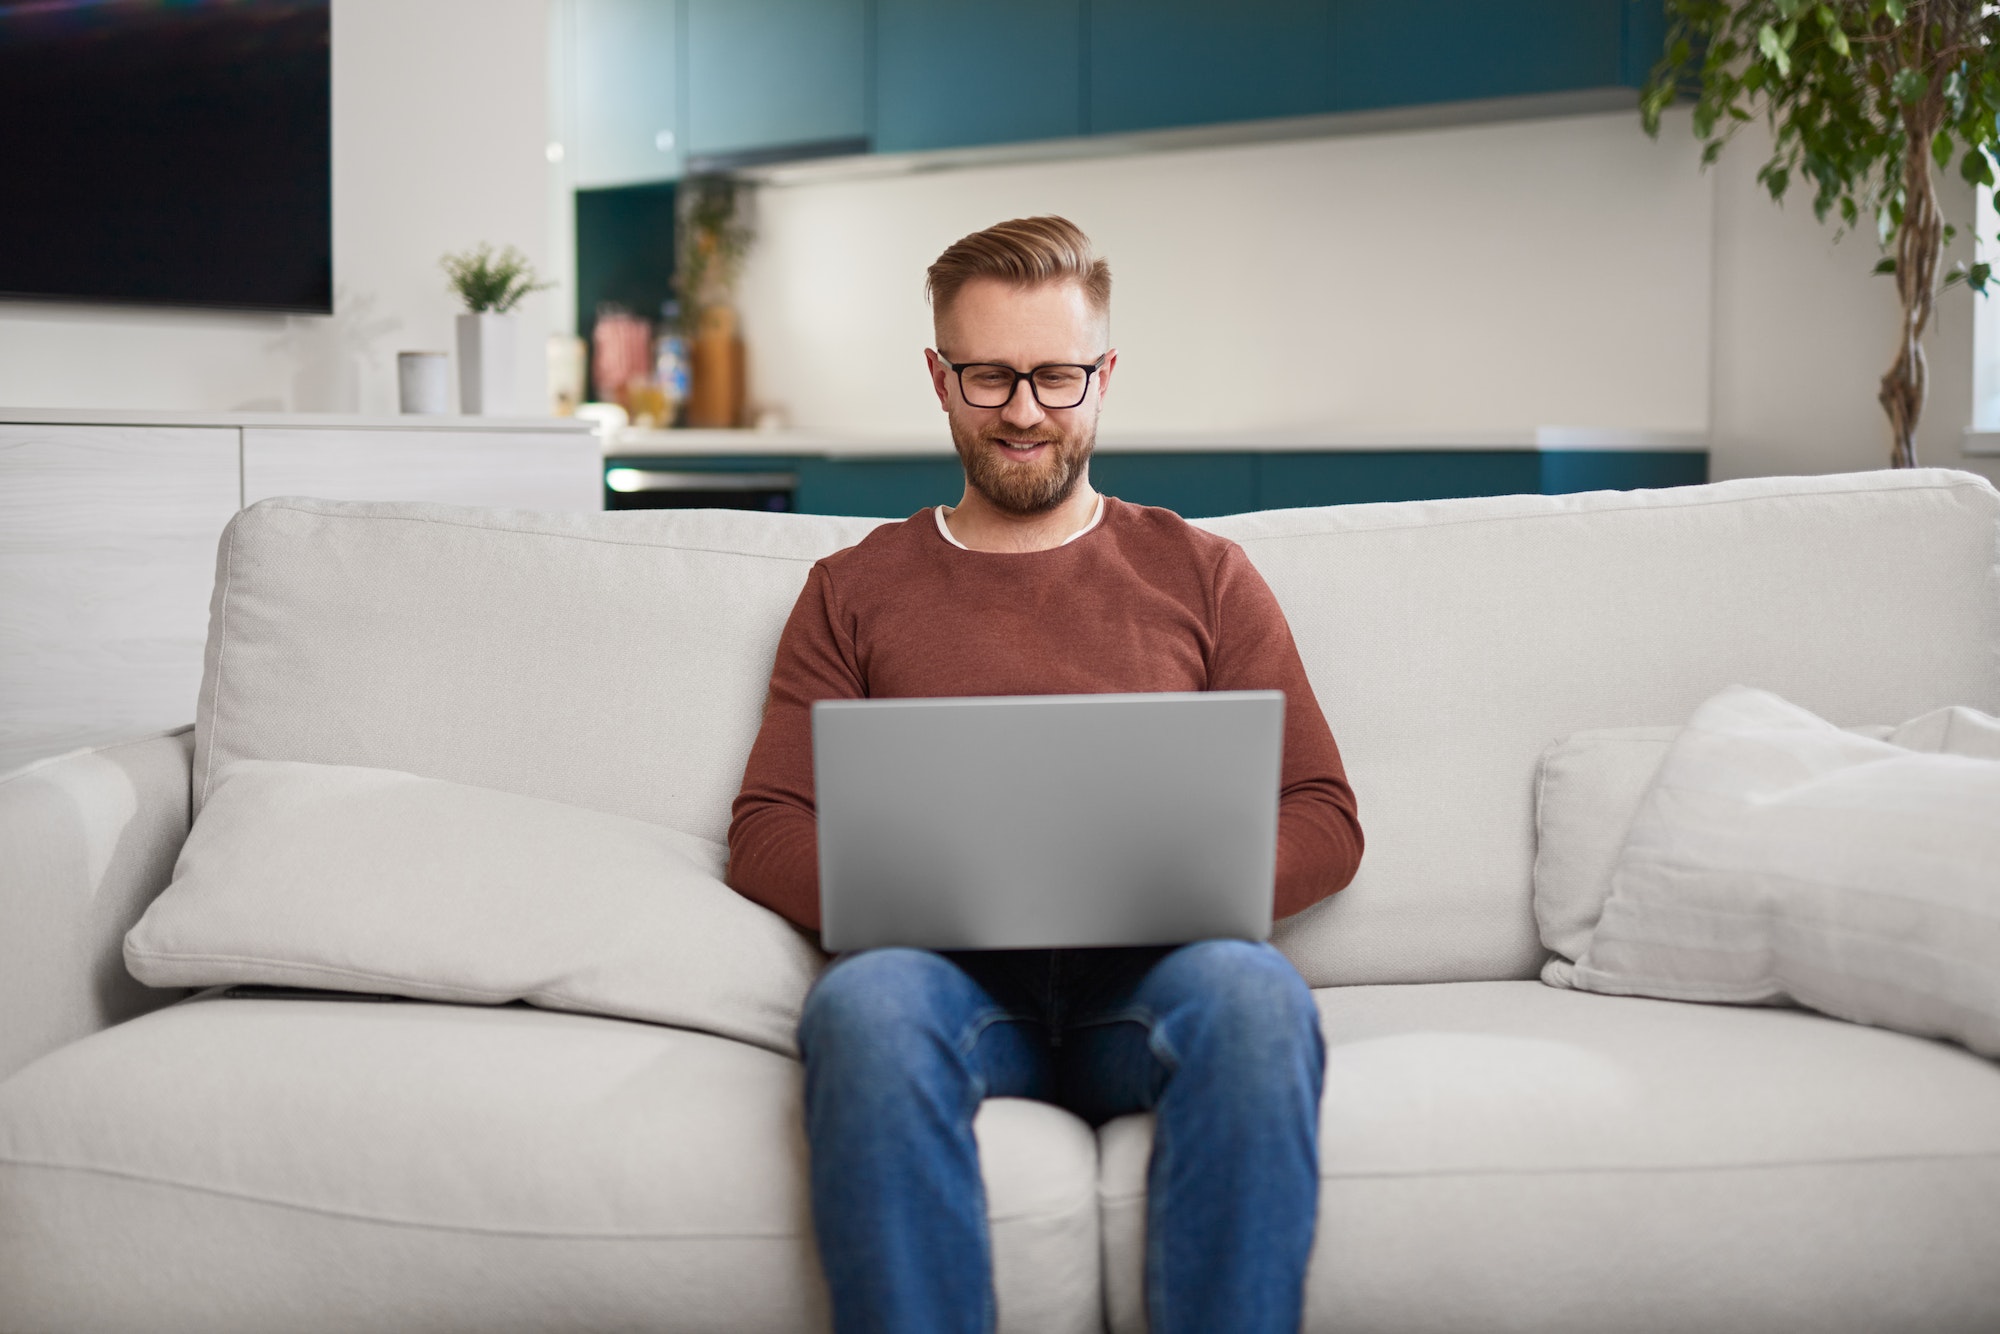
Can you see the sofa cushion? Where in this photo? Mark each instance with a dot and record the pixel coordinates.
(1776, 857)
(1449, 642)
(1588, 787)
(1508, 1156)
(257, 1165)
(613, 661)
(357, 879)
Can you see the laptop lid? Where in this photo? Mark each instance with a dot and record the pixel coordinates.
(1026, 821)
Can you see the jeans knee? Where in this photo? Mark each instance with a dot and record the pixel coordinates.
(872, 999)
(1248, 999)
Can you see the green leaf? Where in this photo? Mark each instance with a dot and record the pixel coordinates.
(1885, 265)
(1774, 50)
(1976, 277)
(1975, 168)
(1711, 152)
(1894, 9)
(1909, 85)
(1941, 149)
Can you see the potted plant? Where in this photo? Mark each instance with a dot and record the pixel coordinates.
(1865, 100)
(490, 286)
(711, 241)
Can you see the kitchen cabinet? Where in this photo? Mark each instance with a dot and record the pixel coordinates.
(1419, 51)
(953, 73)
(658, 86)
(766, 74)
(525, 467)
(1193, 482)
(110, 523)
(107, 560)
(1154, 64)
(624, 90)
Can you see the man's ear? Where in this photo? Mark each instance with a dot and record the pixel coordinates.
(1104, 373)
(939, 378)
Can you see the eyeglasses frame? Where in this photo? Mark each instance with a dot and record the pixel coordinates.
(1088, 370)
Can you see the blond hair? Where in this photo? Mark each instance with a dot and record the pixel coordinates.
(1022, 252)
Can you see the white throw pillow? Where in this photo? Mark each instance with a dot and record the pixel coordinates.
(1777, 857)
(358, 879)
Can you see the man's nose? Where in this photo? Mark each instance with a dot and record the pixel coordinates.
(1022, 409)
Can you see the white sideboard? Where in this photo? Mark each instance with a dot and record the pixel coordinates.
(109, 523)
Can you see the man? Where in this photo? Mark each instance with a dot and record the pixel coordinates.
(1036, 584)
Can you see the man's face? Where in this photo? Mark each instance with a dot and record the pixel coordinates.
(1022, 457)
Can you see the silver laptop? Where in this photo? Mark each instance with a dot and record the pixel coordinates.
(1025, 821)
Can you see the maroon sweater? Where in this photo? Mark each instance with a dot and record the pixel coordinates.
(1142, 602)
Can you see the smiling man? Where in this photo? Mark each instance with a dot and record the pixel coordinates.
(1034, 583)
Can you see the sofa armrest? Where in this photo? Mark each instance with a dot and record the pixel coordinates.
(86, 841)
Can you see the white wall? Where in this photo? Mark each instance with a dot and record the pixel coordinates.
(438, 143)
(1804, 332)
(1565, 272)
(1539, 273)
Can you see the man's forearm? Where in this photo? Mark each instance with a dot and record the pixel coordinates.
(774, 860)
(1319, 845)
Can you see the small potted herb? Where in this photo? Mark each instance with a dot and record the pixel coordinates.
(491, 286)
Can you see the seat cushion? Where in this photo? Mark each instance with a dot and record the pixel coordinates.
(307, 1165)
(1506, 1156)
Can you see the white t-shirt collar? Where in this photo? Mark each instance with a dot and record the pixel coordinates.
(1095, 515)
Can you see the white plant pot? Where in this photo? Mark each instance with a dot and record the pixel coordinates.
(486, 364)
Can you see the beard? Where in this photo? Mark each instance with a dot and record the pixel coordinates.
(1024, 486)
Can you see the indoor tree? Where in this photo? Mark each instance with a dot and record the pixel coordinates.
(1866, 100)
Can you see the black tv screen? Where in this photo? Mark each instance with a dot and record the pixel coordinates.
(161, 153)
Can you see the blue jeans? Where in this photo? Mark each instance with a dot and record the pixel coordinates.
(1219, 1039)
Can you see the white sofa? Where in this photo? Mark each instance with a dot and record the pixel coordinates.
(1497, 1154)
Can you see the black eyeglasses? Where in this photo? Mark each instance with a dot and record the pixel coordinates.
(987, 384)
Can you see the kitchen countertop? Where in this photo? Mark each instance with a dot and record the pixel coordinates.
(628, 442)
(290, 421)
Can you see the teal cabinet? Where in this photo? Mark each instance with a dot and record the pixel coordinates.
(884, 487)
(1293, 481)
(1160, 63)
(1194, 486)
(1418, 51)
(654, 84)
(1200, 485)
(953, 73)
(624, 90)
(764, 74)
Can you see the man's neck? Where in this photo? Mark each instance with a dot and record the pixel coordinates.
(981, 526)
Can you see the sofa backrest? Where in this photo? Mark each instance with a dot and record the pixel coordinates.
(1449, 642)
(619, 661)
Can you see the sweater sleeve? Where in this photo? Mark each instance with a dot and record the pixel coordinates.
(773, 828)
(1319, 831)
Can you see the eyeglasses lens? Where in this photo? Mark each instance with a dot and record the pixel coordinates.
(989, 386)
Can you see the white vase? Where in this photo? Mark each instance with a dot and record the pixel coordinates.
(486, 370)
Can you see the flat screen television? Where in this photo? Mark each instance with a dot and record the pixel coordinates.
(174, 154)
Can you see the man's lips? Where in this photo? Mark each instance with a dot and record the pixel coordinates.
(1020, 449)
